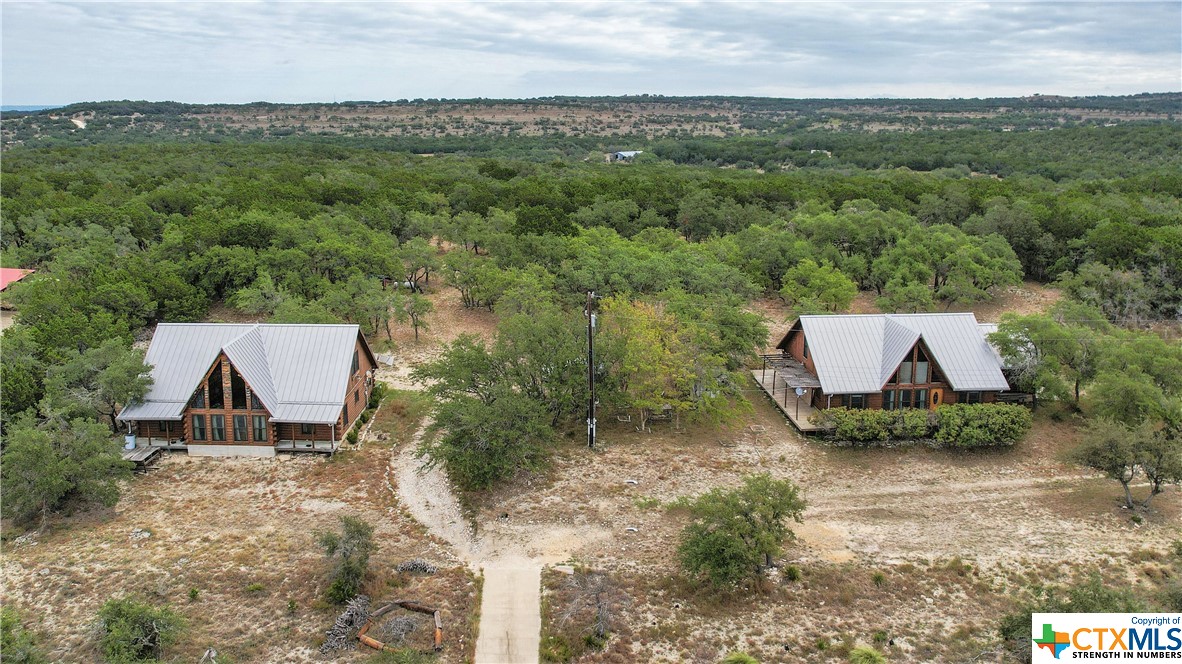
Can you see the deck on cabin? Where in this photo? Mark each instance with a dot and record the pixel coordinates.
(798, 409)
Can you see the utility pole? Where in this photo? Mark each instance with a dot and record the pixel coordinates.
(590, 372)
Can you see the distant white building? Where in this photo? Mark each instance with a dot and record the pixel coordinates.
(625, 155)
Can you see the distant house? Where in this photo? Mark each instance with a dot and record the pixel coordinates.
(252, 390)
(890, 361)
(11, 275)
(625, 155)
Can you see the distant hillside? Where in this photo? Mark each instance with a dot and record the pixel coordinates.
(618, 119)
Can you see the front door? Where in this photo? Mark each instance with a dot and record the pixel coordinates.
(937, 398)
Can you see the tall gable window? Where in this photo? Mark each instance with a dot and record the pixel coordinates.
(215, 388)
(237, 390)
(356, 364)
(255, 403)
(198, 398)
(921, 366)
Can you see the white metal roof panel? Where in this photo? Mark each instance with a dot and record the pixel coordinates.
(858, 353)
(154, 410)
(315, 413)
(249, 356)
(300, 372)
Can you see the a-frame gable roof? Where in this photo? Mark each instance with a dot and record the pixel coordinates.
(858, 353)
(299, 372)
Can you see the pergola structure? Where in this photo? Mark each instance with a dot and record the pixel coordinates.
(782, 377)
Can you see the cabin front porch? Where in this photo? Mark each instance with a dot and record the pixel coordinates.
(790, 386)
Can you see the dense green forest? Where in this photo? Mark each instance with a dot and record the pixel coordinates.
(125, 234)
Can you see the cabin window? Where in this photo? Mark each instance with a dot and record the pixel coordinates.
(255, 404)
(972, 397)
(345, 414)
(355, 363)
(905, 372)
(936, 377)
(260, 428)
(857, 401)
(199, 398)
(921, 368)
(921, 398)
(237, 390)
(217, 427)
(215, 387)
(806, 349)
(888, 399)
(356, 396)
(198, 427)
(306, 429)
(239, 428)
(904, 398)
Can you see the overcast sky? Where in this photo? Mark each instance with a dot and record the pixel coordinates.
(299, 52)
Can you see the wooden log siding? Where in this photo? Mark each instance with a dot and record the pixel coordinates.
(226, 410)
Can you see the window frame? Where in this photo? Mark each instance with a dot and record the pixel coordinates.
(259, 423)
(306, 428)
(198, 427)
(240, 432)
(217, 428)
(861, 401)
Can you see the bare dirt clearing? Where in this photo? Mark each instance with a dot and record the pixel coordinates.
(242, 532)
(956, 535)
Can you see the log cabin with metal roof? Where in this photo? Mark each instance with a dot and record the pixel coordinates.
(881, 361)
(252, 390)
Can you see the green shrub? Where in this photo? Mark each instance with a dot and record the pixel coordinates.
(738, 658)
(255, 587)
(866, 655)
(981, 424)
(874, 426)
(136, 632)
(879, 637)
(376, 396)
(911, 423)
(17, 644)
(350, 554)
(792, 573)
(733, 532)
(194, 594)
(878, 578)
(859, 426)
(351, 436)
(364, 417)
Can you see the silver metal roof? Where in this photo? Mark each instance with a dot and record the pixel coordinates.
(299, 372)
(858, 353)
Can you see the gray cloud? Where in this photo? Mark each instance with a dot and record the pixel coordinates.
(236, 52)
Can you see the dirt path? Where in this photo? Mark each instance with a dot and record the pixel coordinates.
(427, 494)
(510, 609)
